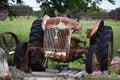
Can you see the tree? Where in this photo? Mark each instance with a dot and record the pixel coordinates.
(4, 4)
(39, 13)
(21, 10)
(74, 6)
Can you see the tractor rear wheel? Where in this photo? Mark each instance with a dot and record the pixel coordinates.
(37, 60)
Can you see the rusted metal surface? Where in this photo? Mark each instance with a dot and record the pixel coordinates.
(6, 44)
(64, 21)
(91, 32)
(3, 14)
(60, 46)
(58, 42)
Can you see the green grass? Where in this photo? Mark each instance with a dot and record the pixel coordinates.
(116, 31)
(21, 27)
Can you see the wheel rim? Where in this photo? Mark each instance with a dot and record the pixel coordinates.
(95, 61)
(8, 41)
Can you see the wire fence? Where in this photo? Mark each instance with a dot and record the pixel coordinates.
(37, 12)
(105, 14)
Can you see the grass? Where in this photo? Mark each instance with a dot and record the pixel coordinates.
(21, 27)
(107, 75)
(116, 29)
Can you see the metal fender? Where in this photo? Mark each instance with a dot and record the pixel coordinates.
(91, 32)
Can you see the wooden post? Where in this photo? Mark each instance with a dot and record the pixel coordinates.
(116, 17)
(28, 12)
(86, 16)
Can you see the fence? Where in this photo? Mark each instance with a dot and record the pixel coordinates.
(29, 11)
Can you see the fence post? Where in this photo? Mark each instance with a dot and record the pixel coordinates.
(116, 17)
(28, 12)
(86, 16)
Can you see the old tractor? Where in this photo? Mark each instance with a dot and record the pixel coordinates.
(51, 38)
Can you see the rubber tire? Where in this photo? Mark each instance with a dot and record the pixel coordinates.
(37, 60)
(103, 36)
(19, 48)
(89, 57)
(36, 33)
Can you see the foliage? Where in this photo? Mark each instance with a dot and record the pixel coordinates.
(75, 6)
(106, 75)
(4, 4)
(39, 14)
(72, 8)
(20, 10)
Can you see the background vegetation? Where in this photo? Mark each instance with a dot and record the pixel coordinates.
(70, 8)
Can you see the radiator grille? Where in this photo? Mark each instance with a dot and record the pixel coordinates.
(56, 40)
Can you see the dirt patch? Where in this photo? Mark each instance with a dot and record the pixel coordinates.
(18, 74)
(46, 75)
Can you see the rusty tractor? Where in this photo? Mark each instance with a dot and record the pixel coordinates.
(51, 38)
